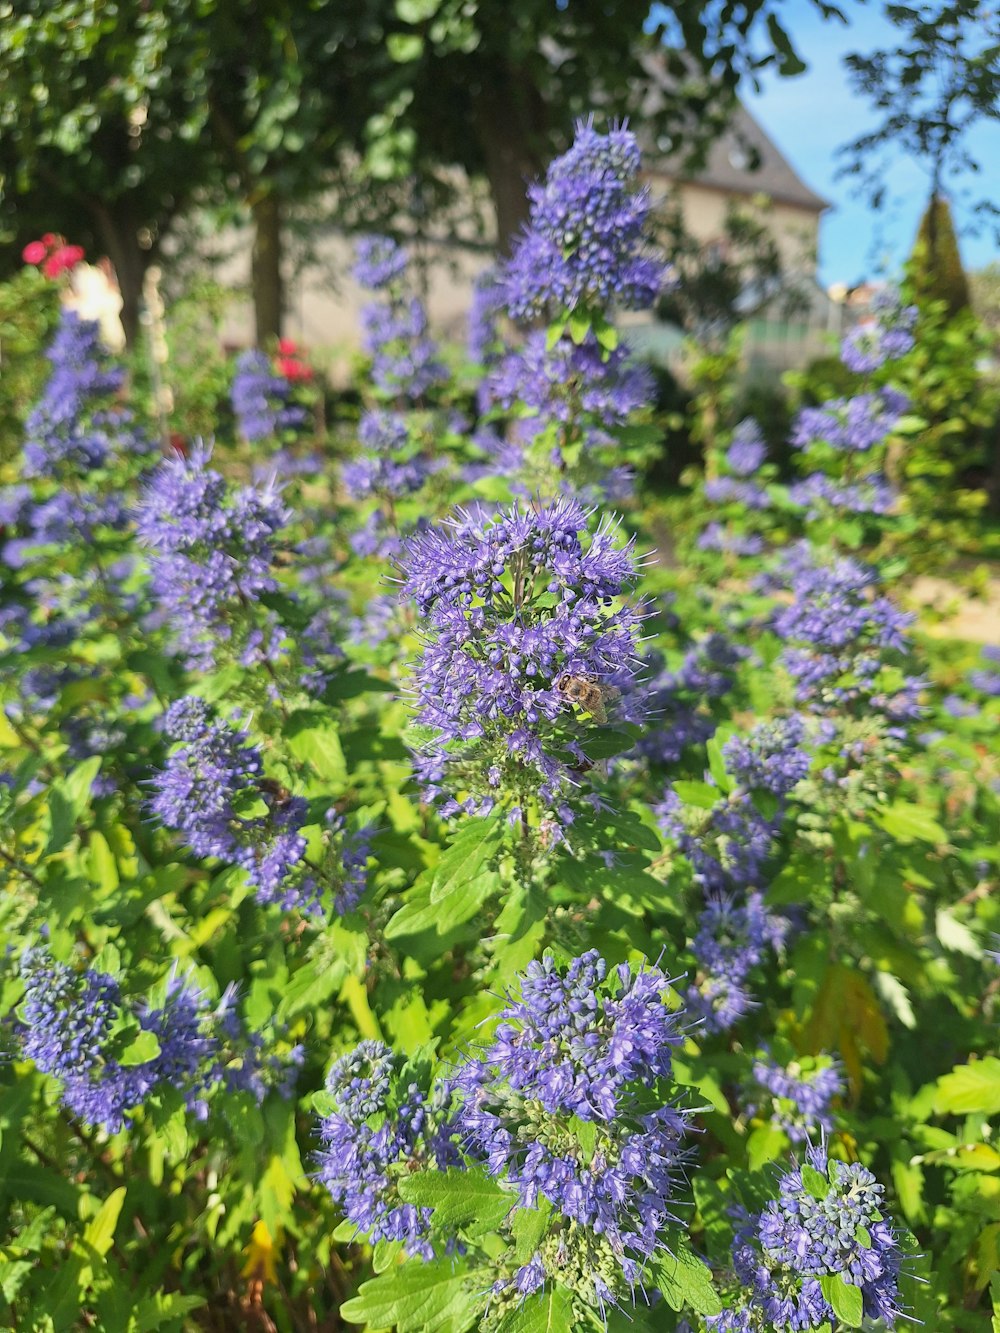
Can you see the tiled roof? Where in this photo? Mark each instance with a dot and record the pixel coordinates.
(742, 160)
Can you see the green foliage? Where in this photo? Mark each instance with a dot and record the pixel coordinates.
(935, 269)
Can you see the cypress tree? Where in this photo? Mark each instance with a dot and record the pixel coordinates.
(936, 270)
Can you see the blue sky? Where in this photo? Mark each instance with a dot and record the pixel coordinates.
(811, 116)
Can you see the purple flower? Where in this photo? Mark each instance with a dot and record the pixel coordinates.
(853, 425)
(527, 637)
(405, 361)
(380, 1126)
(379, 262)
(581, 1057)
(568, 382)
(732, 939)
(208, 778)
(483, 339)
(771, 757)
(983, 679)
(586, 238)
(75, 426)
(76, 1026)
(816, 493)
(261, 399)
(727, 844)
(887, 336)
(211, 552)
(747, 449)
(731, 490)
(828, 1220)
(714, 537)
(796, 1097)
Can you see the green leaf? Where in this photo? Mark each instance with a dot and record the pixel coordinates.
(314, 739)
(766, 1143)
(956, 936)
(68, 798)
(528, 1226)
(154, 1311)
(466, 858)
(717, 766)
(470, 1201)
(404, 46)
(554, 333)
(697, 793)
(100, 1230)
(579, 326)
(551, 1312)
(970, 1088)
(685, 1279)
(412, 1298)
(814, 1182)
(848, 1304)
(418, 914)
(910, 823)
(143, 1048)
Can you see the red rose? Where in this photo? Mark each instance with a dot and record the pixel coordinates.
(34, 252)
(49, 240)
(62, 260)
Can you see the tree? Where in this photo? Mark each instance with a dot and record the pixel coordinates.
(929, 90)
(127, 114)
(494, 89)
(936, 272)
(101, 122)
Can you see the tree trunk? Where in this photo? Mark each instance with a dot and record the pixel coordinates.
(268, 289)
(120, 236)
(509, 122)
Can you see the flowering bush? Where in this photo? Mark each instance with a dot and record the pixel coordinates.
(428, 908)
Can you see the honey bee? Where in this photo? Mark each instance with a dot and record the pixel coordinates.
(270, 787)
(589, 693)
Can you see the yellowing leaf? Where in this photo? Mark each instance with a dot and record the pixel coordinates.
(260, 1264)
(100, 1230)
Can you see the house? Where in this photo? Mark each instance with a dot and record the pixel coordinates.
(744, 169)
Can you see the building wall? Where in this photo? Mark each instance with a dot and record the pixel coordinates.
(324, 301)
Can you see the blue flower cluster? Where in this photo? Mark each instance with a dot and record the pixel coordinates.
(796, 1097)
(771, 757)
(581, 389)
(732, 939)
(211, 552)
(77, 1027)
(887, 336)
(529, 646)
(727, 843)
(851, 425)
(827, 1222)
(586, 242)
(573, 1061)
(747, 449)
(819, 494)
(381, 1126)
(837, 630)
(213, 790)
(405, 360)
(75, 427)
(678, 700)
(262, 399)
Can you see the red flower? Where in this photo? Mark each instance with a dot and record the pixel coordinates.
(49, 240)
(287, 348)
(294, 370)
(62, 260)
(34, 252)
